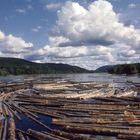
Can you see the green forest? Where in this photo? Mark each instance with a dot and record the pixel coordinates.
(120, 69)
(125, 69)
(15, 66)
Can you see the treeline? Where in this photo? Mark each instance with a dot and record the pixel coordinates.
(125, 69)
(15, 66)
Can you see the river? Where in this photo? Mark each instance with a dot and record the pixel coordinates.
(86, 77)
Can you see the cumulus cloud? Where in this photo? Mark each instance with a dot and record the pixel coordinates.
(98, 24)
(2, 35)
(13, 46)
(97, 28)
(57, 52)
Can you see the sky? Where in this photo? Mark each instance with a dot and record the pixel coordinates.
(85, 33)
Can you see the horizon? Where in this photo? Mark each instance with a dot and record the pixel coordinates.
(86, 33)
(69, 64)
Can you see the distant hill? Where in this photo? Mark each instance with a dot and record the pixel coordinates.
(15, 66)
(103, 69)
(120, 69)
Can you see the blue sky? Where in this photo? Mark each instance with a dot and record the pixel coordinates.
(42, 31)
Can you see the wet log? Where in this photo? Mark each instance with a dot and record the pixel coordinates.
(4, 136)
(24, 111)
(24, 133)
(99, 131)
(129, 137)
(89, 121)
(3, 110)
(12, 134)
(1, 128)
(45, 113)
(27, 138)
(71, 136)
(12, 111)
(40, 135)
(53, 135)
(20, 135)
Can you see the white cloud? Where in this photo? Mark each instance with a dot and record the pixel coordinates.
(92, 25)
(57, 52)
(21, 11)
(98, 28)
(132, 5)
(13, 46)
(2, 36)
(53, 6)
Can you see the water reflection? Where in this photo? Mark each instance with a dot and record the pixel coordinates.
(99, 77)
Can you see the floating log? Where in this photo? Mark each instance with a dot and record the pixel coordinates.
(27, 138)
(21, 137)
(46, 113)
(12, 112)
(40, 135)
(1, 128)
(12, 134)
(84, 121)
(79, 119)
(71, 136)
(24, 132)
(53, 135)
(99, 131)
(129, 137)
(5, 129)
(23, 110)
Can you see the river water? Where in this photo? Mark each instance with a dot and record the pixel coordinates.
(86, 77)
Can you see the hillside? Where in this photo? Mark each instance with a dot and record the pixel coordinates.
(121, 69)
(103, 69)
(15, 66)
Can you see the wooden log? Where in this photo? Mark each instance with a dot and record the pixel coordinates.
(99, 131)
(24, 132)
(5, 130)
(40, 136)
(20, 135)
(71, 136)
(12, 134)
(32, 117)
(23, 110)
(30, 113)
(27, 138)
(89, 121)
(6, 110)
(129, 137)
(3, 110)
(1, 128)
(12, 111)
(45, 113)
(53, 135)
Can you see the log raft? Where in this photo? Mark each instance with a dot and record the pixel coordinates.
(99, 113)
